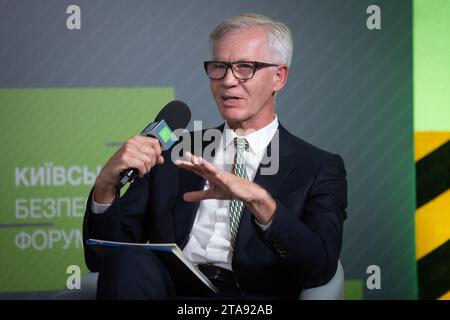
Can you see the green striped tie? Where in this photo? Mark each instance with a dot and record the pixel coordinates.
(237, 206)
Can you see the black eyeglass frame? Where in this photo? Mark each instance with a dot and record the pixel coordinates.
(256, 66)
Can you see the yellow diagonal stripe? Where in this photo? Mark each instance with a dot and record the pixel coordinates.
(427, 141)
(432, 224)
(445, 296)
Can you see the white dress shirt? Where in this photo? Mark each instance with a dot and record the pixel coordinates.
(209, 241)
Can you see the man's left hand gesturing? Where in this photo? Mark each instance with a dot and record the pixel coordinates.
(224, 185)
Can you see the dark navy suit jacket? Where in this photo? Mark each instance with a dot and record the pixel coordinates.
(299, 250)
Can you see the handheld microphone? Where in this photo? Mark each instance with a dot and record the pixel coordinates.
(175, 115)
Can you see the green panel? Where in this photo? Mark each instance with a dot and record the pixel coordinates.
(431, 55)
(49, 136)
(353, 290)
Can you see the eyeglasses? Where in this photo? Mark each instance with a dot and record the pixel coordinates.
(243, 70)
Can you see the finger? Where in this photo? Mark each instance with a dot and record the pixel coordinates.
(149, 159)
(160, 159)
(197, 160)
(154, 143)
(146, 144)
(228, 181)
(183, 163)
(133, 149)
(139, 165)
(196, 196)
(150, 141)
(198, 163)
(189, 162)
(149, 148)
(187, 156)
(210, 168)
(188, 166)
(193, 158)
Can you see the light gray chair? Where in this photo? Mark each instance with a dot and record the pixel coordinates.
(332, 290)
(87, 291)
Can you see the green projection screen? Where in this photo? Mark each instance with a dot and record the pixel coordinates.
(54, 142)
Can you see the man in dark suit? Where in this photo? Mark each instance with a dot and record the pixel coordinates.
(254, 234)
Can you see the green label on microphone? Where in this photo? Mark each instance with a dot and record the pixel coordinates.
(165, 134)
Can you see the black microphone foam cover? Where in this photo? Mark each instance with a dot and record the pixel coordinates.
(176, 114)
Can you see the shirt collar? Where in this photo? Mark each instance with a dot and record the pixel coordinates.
(257, 140)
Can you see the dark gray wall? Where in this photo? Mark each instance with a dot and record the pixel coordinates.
(349, 91)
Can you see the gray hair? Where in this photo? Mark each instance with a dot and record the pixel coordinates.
(278, 34)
